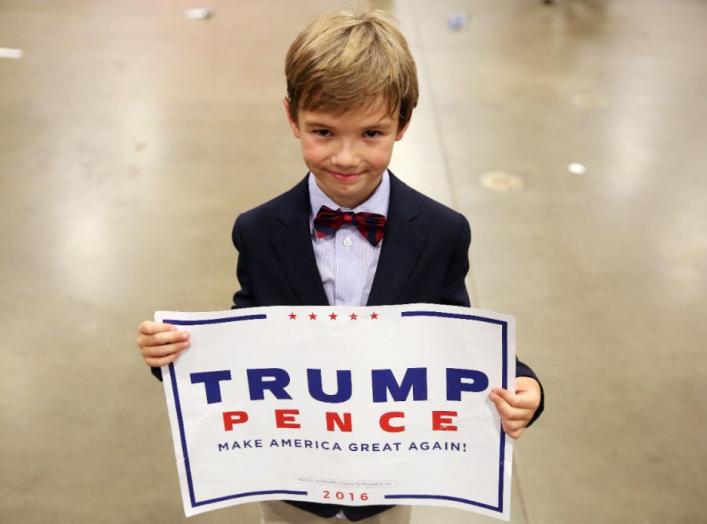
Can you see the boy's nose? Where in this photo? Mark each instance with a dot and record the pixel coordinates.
(345, 157)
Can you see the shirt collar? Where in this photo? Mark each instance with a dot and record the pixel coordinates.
(376, 203)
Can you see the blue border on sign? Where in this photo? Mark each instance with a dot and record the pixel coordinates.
(224, 320)
(504, 383)
(502, 448)
(180, 420)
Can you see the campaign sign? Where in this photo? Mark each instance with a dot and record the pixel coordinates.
(342, 405)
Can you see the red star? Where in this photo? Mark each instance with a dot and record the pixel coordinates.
(353, 316)
(332, 316)
(312, 316)
(292, 316)
(374, 316)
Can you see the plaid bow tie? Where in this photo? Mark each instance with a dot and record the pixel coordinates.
(370, 225)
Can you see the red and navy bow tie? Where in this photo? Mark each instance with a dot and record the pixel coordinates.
(370, 225)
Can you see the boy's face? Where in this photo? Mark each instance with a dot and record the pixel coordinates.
(347, 153)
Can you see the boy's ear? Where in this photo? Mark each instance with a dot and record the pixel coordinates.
(401, 133)
(293, 124)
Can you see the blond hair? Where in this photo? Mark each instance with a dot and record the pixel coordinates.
(343, 61)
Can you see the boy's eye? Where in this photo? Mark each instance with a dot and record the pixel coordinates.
(372, 133)
(322, 132)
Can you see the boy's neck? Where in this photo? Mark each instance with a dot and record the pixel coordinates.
(381, 204)
(353, 203)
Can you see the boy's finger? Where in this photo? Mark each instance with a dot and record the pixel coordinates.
(517, 400)
(513, 432)
(505, 410)
(527, 400)
(505, 395)
(159, 362)
(169, 337)
(148, 327)
(164, 350)
(159, 339)
(514, 425)
(510, 414)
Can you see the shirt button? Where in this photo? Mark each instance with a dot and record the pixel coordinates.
(348, 242)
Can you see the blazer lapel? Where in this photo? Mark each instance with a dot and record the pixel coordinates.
(401, 247)
(293, 248)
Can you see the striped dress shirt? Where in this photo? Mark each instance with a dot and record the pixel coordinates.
(347, 261)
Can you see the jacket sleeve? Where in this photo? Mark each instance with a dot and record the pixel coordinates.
(244, 296)
(157, 373)
(455, 293)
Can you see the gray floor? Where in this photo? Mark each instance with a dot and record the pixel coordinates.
(130, 138)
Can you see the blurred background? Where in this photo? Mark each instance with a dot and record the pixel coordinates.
(572, 135)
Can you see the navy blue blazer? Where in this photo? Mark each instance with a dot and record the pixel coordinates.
(424, 259)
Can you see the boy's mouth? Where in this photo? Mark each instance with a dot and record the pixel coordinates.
(345, 177)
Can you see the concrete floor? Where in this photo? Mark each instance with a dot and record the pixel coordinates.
(131, 137)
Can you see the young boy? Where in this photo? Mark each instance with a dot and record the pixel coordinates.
(350, 232)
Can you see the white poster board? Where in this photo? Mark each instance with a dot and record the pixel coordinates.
(342, 405)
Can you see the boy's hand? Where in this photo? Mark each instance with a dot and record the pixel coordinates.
(160, 344)
(516, 409)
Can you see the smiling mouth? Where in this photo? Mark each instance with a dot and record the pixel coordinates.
(345, 177)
